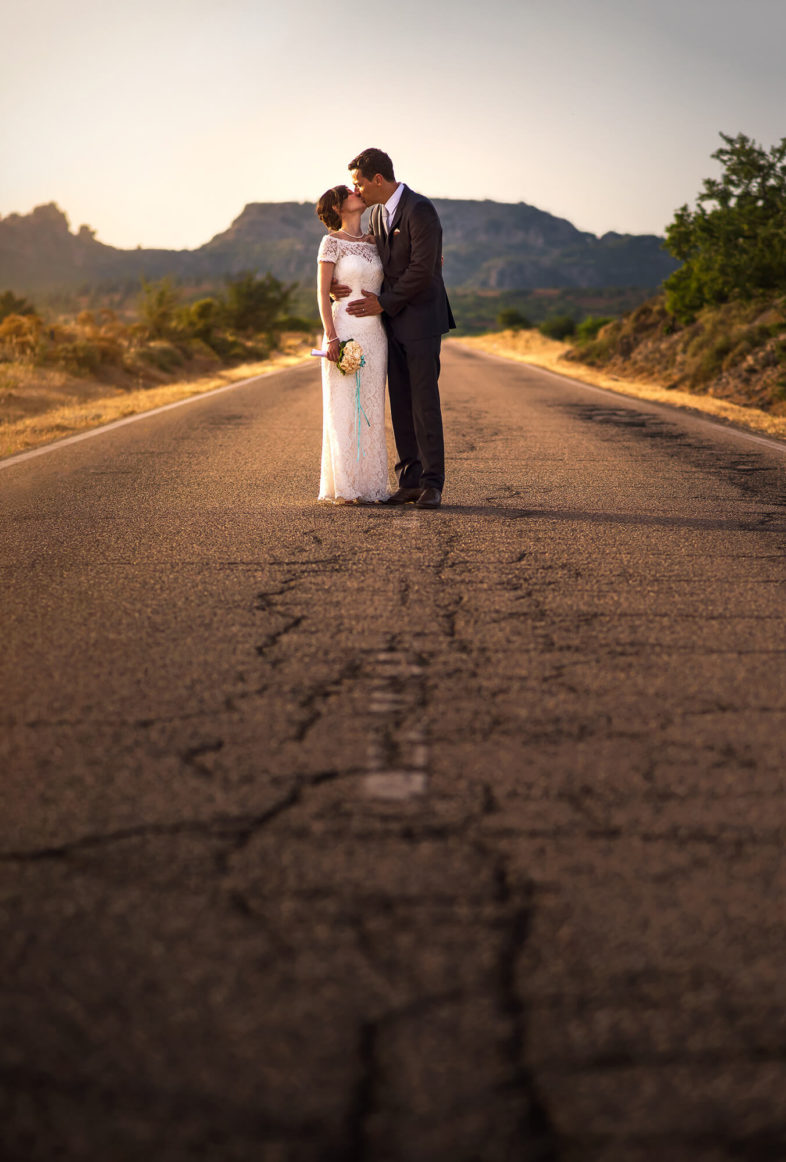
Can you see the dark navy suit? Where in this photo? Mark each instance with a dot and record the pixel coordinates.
(416, 316)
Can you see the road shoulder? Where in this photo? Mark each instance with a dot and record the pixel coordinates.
(533, 348)
(77, 416)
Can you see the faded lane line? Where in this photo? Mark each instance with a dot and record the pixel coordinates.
(397, 758)
(20, 456)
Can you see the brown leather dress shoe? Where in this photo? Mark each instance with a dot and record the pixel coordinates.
(429, 498)
(404, 496)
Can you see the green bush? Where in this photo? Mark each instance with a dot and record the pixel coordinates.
(588, 328)
(510, 319)
(201, 319)
(558, 327)
(158, 307)
(257, 304)
(232, 349)
(297, 323)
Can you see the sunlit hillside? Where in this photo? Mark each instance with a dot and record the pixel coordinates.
(487, 245)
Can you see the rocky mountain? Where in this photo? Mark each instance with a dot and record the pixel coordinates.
(38, 252)
(487, 245)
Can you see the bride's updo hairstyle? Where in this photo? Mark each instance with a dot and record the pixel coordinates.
(329, 205)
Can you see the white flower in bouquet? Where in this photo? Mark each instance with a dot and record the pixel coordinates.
(350, 357)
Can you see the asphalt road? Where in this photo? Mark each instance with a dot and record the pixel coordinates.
(379, 835)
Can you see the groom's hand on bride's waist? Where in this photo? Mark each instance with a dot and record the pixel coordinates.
(368, 305)
(339, 290)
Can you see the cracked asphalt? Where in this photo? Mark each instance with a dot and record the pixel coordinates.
(350, 833)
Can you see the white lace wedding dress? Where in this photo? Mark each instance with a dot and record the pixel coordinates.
(352, 468)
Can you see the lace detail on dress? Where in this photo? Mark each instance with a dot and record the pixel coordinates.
(331, 249)
(328, 249)
(345, 476)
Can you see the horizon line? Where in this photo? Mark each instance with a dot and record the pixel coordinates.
(74, 230)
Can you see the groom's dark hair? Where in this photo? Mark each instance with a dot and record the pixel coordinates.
(373, 161)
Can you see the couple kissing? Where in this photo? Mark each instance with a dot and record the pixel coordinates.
(384, 290)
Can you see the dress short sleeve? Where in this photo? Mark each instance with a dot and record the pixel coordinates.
(328, 249)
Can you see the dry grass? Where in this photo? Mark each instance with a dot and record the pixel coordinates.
(532, 347)
(38, 405)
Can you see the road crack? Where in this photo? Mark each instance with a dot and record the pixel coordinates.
(238, 828)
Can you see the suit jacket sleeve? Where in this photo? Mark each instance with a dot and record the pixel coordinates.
(424, 259)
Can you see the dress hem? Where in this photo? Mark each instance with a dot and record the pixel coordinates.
(375, 498)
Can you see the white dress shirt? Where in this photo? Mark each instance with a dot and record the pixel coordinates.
(391, 205)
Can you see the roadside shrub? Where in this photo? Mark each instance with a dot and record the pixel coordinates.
(588, 328)
(604, 345)
(297, 323)
(78, 357)
(510, 319)
(203, 351)
(158, 307)
(744, 343)
(162, 355)
(257, 304)
(20, 336)
(558, 327)
(201, 319)
(709, 358)
(608, 338)
(232, 349)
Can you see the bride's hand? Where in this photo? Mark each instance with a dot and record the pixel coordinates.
(332, 350)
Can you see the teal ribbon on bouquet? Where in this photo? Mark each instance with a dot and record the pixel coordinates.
(359, 411)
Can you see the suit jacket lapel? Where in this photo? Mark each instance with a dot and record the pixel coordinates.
(397, 216)
(378, 229)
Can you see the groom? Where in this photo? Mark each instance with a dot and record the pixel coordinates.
(416, 314)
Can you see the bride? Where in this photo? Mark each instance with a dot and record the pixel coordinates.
(354, 450)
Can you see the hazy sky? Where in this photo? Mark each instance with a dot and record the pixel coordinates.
(156, 121)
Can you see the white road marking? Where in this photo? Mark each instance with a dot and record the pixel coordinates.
(395, 784)
(397, 754)
(99, 431)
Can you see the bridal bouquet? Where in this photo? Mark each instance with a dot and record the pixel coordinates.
(350, 357)
(350, 361)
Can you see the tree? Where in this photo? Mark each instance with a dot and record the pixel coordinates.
(256, 304)
(733, 244)
(11, 304)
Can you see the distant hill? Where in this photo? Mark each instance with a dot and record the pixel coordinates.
(488, 246)
(38, 252)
